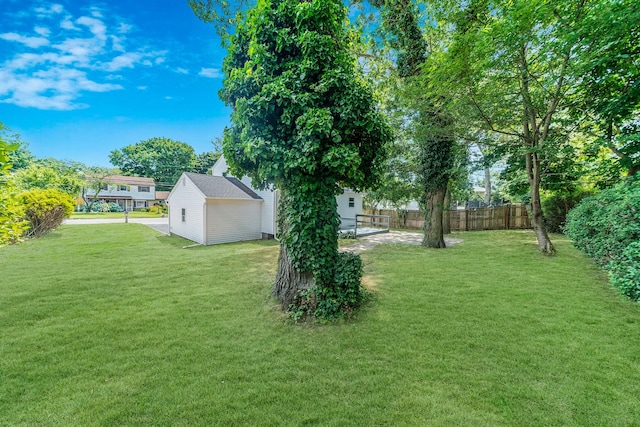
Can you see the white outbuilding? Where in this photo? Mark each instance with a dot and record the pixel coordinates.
(212, 209)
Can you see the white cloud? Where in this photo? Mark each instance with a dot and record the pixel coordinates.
(212, 73)
(44, 12)
(126, 60)
(43, 31)
(68, 24)
(66, 56)
(180, 70)
(32, 42)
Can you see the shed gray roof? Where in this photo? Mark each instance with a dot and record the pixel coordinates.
(222, 187)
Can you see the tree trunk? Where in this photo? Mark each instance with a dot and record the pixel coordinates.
(487, 186)
(433, 231)
(537, 217)
(446, 215)
(289, 281)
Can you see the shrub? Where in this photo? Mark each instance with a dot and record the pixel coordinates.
(556, 207)
(624, 271)
(45, 209)
(114, 207)
(330, 303)
(156, 209)
(606, 227)
(12, 216)
(347, 234)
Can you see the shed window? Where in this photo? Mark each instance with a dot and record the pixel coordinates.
(184, 215)
(352, 202)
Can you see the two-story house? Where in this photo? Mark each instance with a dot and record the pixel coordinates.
(130, 192)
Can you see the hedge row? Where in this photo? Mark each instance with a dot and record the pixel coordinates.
(606, 227)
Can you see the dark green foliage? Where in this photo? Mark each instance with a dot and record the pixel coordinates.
(45, 209)
(557, 205)
(607, 228)
(332, 303)
(624, 271)
(162, 159)
(304, 120)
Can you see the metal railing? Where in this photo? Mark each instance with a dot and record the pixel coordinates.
(364, 224)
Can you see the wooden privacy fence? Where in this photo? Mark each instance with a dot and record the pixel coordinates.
(505, 217)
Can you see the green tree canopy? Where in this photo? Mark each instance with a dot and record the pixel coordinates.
(162, 159)
(305, 120)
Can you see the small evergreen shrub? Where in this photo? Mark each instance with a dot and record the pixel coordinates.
(606, 227)
(329, 303)
(45, 209)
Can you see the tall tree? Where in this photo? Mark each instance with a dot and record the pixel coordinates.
(609, 90)
(40, 176)
(512, 66)
(428, 122)
(162, 159)
(305, 121)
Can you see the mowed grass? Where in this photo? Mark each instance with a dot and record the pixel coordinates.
(100, 215)
(118, 325)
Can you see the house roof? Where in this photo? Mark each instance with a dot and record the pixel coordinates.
(222, 187)
(162, 195)
(119, 179)
(128, 180)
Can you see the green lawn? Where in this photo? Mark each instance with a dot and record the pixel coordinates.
(118, 325)
(135, 214)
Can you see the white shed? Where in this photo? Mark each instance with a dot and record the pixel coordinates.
(214, 209)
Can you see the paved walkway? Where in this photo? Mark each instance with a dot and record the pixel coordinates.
(160, 224)
(361, 245)
(406, 237)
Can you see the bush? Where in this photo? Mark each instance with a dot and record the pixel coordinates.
(606, 227)
(350, 234)
(12, 216)
(624, 271)
(556, 207)
(114, 207)
(45, 209)
(330, 303)
(156, 209)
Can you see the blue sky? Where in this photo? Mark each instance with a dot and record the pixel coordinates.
(79, 79)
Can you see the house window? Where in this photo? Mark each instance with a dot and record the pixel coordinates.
(123, 188)
(352, 202)
(105, 187)
(141, 204)
(184, 215)
(144, 189)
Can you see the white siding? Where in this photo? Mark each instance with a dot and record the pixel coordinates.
(343, 205)
(268, 215)
(187, 196)
(233, 220)
(220, 167)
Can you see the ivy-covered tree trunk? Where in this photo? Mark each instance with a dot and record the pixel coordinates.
(289, 281)
(308, 241)
(433, 225)
(304, 120)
